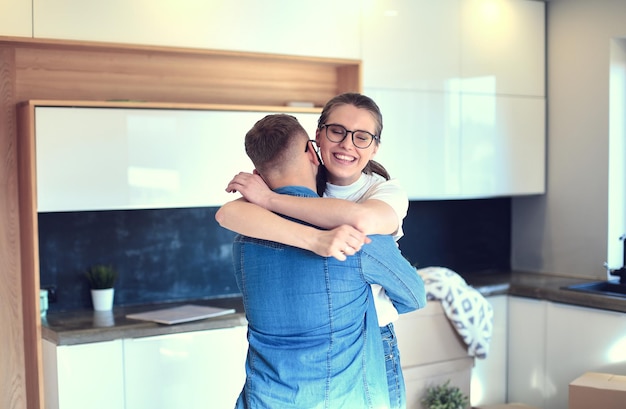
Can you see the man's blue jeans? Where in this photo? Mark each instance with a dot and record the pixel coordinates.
(395, 379)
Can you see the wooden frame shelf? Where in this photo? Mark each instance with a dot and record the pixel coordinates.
(78, 72)
(100, 71)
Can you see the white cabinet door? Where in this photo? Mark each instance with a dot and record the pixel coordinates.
(103, 159)
(581, 340)
(503, 47)
(204, 369)
(503, 145)
(324, 28)
(488, 386)
(16, 18)
(443, 145)
(411, 44)
(420, 142)
(84, 376)
(527, 348)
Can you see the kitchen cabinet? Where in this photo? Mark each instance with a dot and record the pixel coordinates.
(580, 340)
(450, 145)
(468, 121)
(16, 18)
(420, 142)
(83, 376)
(195, 369)
(527, 381)
(502, 47)
(488, 385)
(187, 370)
(411, 44)
(551, 344)
(272, 26)
(94, 158)
(473, 46)
(502, 145)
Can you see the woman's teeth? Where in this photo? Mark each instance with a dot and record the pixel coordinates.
(345, 157)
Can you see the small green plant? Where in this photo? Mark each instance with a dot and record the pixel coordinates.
(101, 276)
(445, 397)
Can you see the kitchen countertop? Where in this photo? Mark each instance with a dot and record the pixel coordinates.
(544, 287)
(85, 326)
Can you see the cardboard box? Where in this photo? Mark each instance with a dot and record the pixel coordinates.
(426, 336)
(598, 390)
(419, 378)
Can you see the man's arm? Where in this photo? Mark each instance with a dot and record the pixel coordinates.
(383, 264)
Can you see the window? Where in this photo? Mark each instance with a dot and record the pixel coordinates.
(617, 155)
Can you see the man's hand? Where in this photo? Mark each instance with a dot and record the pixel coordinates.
(252, 187)
(339, 242)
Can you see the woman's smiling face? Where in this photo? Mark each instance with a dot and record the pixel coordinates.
(345, 162)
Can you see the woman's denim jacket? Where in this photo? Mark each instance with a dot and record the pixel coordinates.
(313, 334)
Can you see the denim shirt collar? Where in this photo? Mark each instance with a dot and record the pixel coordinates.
(300, 191)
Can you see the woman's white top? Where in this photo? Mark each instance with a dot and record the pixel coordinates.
(376, 187)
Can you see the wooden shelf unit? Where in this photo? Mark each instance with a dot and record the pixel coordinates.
(65, 71)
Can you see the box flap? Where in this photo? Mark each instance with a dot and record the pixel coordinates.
(601, 381)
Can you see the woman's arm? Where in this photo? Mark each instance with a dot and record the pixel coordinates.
(369, 217)
(251, 220)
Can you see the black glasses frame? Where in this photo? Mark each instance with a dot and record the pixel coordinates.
(306, 149)
(346, 132)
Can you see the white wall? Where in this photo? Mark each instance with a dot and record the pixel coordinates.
(565, 231)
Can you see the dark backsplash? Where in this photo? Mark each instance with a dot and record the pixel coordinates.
(467, 236)
(182, 254)
(162, 255)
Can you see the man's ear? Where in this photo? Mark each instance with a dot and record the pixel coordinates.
(313, 158)
(256, 172)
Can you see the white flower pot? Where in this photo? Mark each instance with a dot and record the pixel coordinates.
(102, 299)
(103, 318)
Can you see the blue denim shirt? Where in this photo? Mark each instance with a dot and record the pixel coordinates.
(313, 334)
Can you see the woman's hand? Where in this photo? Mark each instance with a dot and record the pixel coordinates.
(252, 187)
(339, 242)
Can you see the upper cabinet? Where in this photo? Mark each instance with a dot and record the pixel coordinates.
(16, 18)
(503, 47)
(411, 44)
(95, 158)
(323, 28)
(420, 142)
(450, 145)
(461, 87)
(474, 46)
(502, 146)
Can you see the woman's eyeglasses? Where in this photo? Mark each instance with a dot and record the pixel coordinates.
(337, 133)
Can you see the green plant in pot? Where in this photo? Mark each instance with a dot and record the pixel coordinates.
(101, 276)
(445, 397)
(101, 280)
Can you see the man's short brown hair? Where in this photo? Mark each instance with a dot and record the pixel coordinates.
(272, 140)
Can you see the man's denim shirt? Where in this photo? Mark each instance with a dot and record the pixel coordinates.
(313, 333)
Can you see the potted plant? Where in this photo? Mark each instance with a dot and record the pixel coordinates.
(101, 280)
(445, 397)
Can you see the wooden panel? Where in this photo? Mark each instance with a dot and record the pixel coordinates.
(76, 71)
(12, 371)
(29, 258)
